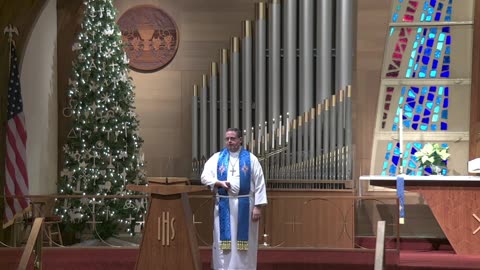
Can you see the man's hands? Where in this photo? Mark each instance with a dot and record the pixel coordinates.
(222, 184)
(257, 210)
(256, 213)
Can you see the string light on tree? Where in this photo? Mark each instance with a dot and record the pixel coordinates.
(100, 105)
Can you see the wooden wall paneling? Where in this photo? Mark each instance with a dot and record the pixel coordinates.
(371, 34)
(474, 147)
(326, 222)
(290, 222)
(22, 14)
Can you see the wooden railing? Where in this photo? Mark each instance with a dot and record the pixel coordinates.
(33, 246)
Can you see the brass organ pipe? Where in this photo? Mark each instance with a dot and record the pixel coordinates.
(203, 119)
(324, 41)
(326, 150)
(260, 64)
(318, 140)
(247, 69)
(344, 43)
(195, 136)
(223, 81)
(333, 137)
(235, 83)
(294, 141)
(305, 65)
(213, 109)
(348, 133)
(306, 134)
(289, 71)
(312, 142)
(274, 58)
(300, 140)
(340, 134)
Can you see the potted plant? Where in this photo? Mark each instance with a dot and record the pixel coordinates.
(434, 156)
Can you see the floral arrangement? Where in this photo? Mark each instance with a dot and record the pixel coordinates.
(432, 154)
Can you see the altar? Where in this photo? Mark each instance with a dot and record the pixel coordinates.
(454, 201)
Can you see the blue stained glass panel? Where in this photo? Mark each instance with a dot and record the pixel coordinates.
(440, 90)
(407, 123)
(425, 60)
(441, 37)
(419, 109)
(445, 114)
(395, 17)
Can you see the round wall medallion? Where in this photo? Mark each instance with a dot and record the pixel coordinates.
(150, 36)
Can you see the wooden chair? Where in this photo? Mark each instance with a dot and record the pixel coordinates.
(51, 224)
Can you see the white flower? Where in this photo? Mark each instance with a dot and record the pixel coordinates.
(432, 154)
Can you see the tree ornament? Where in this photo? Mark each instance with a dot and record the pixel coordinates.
(100, 99)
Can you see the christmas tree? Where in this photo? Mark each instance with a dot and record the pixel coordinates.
(102, 152)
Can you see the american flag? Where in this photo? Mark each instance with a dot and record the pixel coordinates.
(16, 181)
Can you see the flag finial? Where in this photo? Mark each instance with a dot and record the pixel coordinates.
(10, 30)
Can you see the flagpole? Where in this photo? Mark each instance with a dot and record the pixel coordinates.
(10, 30)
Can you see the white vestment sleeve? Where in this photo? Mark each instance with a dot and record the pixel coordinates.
(260, 189)
(209, 174)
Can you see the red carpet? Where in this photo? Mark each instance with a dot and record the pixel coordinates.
(269, 259)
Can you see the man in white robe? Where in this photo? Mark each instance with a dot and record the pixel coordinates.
(235, 256)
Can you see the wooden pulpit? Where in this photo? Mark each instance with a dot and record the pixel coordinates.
(169, 240)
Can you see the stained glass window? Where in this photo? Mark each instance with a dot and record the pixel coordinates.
(425, 108)
(421, 46)
(407, 159)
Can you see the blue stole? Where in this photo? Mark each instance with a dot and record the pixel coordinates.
(243, 202)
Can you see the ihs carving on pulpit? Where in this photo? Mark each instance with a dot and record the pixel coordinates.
(166, 228)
